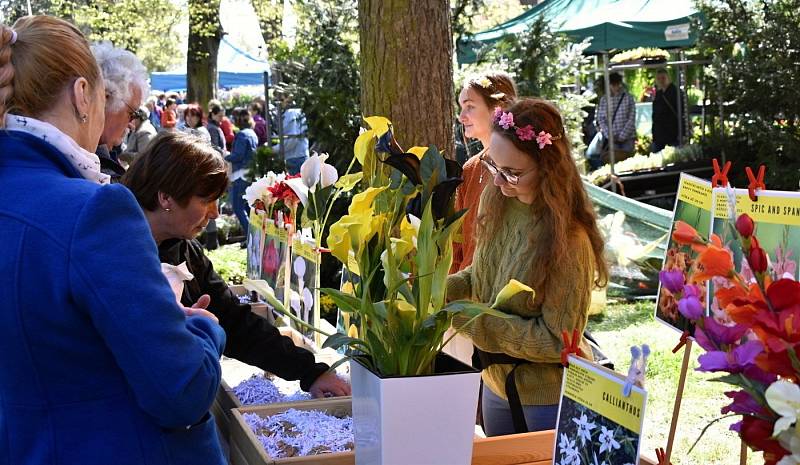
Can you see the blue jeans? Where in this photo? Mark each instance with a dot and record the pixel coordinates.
(239, 204)
(497, 415)
(293, 164)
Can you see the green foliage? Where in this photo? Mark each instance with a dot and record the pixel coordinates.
(270, 19)
(230, 262)
(321, 75)
(756, 51)
(144, 27)
(264, 161)
(542, 62)
(462, 15)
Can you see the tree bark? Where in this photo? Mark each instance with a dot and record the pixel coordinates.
(205, 34)
(407, 69)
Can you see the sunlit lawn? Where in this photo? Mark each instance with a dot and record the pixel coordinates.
(623, 325)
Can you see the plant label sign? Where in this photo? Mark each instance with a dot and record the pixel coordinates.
(255, 244)
(304, 285)
(693, 207)
(596, 422)
(777, 218)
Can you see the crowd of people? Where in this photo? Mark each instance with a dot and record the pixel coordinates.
(93, 334)
(102, 361)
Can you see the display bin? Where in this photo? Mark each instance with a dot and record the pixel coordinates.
(259, 308)
(247, 450)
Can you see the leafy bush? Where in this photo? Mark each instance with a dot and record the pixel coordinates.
(230, 262)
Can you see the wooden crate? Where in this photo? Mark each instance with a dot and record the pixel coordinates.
(259, 308)
(247, 444)
(520, 449)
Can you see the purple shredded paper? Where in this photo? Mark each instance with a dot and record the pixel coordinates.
(261, 390)
(297, 433)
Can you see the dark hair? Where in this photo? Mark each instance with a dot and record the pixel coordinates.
(256, 107)
(559, 193)
(662, 71)
(194, 110)
(615, 78)
(170, 101)
(179, 165)
(214, 110)
(242, 118)
(48, 56)
(500, 91)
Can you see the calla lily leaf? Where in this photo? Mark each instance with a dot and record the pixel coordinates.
(432, 163)
(511, 289)
(345, 302)
(334, 341)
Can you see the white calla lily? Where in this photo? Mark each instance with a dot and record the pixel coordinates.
(256, 191)
(310, 171)
(784, 398)
(299, 187)
(328, 175)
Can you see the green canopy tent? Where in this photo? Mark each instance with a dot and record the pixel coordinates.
(611, 24)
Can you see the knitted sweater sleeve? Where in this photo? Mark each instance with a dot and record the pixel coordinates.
(564, 307)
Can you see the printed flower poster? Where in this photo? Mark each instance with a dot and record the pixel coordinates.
(775, 218)
(693, 208)
(597, 424)
(274, 257)
(304, 270)
(255, 245)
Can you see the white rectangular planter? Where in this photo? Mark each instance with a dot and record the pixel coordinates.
(420, 420)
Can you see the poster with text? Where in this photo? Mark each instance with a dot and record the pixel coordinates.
(777, 228)
(693, 207)
(303, 303)
(596, 422)
(255, 244)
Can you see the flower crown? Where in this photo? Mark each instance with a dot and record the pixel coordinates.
(487, 83)
(525, 133)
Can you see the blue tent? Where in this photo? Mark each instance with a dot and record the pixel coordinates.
(235, 67)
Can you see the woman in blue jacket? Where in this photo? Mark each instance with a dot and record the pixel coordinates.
(98, 362)
(244, 147)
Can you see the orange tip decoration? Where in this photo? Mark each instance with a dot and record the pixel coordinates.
(756, 183)
(682, 342)
(661, 456)
(572, 347)
(720, 178)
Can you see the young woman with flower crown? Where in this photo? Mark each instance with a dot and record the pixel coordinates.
(550, 241)
(479, 98)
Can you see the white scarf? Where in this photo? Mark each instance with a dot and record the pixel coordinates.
(87, 163)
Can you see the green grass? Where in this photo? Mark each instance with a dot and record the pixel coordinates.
(623, 325)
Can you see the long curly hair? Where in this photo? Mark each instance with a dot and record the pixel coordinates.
(559, 197)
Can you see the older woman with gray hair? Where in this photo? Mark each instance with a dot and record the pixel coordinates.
(125, 78)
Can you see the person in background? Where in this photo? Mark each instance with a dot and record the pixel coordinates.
(193, 123)
(295, 140)
(169, 117)
(225, 124)
(215, 115)
(537, 225)
(260, 124)
(101, 365)
(125, 79)
(155, 111)
(178, 181)
(480, 97)
(665, 113)
(244, 148)
(140, 132)
(621, 120)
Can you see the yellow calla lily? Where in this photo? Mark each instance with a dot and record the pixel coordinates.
(378, 124)
(401, 247)
(511, 289)
(408, 231)
(352, 331)
(363, 200)
(418, 151)
(339, 240)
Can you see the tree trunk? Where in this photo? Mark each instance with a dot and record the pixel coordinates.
(205, 33)
(407, 69)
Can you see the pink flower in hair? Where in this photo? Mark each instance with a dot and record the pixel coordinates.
(526, 133)
(498, 112)
(507, 120)
(544, 138)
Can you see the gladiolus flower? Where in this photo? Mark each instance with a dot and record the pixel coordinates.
(685, 234)
(757, 260)
(673, 280)
(734, 361)
(743, 404)
(691, 307)
(714, 261)
(757, 433)
(745, 225)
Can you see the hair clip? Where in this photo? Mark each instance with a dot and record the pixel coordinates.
(13, 37)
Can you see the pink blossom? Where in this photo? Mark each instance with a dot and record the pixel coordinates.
(498, 112)
(526, 133)
(544, 138)
(507, 120)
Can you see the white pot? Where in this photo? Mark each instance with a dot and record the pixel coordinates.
(420, 420)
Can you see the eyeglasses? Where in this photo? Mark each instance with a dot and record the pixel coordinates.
(133, 113)
(512, 179)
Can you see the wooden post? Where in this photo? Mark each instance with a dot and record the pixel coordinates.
(687, 352)
(743, 454)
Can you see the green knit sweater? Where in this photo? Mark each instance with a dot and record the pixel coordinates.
(534, 332)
